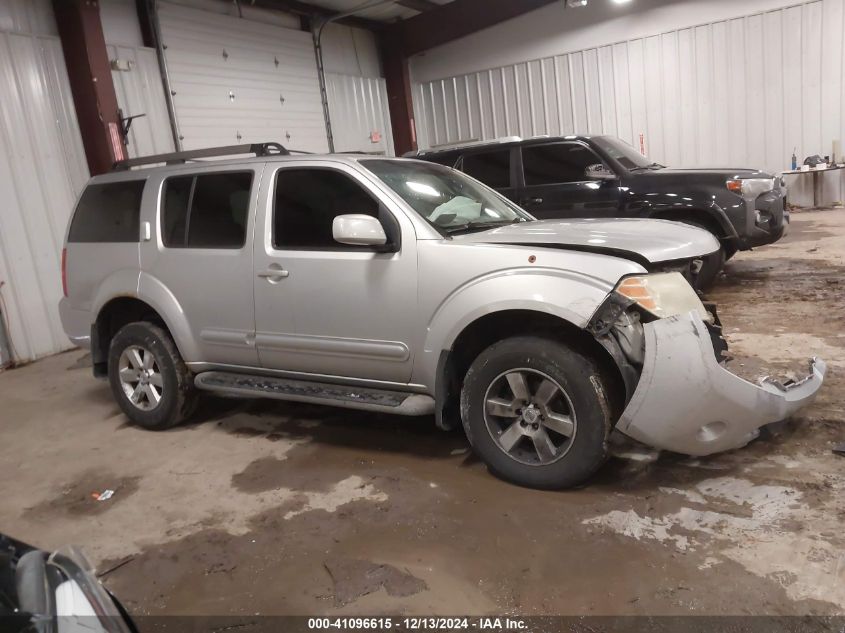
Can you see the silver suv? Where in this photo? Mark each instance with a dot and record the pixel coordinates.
(405, 287)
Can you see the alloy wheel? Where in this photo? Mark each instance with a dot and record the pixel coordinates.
(140, 377)
(530, 416)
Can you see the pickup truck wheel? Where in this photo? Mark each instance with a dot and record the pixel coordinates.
(711, 266)
(536, 412)
(148, 378)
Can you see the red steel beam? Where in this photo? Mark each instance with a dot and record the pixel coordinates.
(89, 71)
(398, 83)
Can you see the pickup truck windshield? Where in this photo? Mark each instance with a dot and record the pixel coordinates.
(446, 198)
(623, 153)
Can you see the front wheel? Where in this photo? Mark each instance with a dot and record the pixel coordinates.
(537, 412)
(148, 377)
(711, 265)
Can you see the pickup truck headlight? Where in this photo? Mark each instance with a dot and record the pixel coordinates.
(751, 188)
(663, 295)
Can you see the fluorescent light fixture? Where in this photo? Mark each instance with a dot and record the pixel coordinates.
(576, 3)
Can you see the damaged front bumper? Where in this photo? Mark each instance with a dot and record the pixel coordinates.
(688, 403)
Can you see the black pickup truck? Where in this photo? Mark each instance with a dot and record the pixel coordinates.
(603, 176)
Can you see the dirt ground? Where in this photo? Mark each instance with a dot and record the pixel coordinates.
(274, 508)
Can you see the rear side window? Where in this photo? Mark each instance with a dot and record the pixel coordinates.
(556, 163)
(206, 210)
(491, 168)
(108, 213)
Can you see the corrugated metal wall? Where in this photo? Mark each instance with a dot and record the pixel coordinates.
(358, 108)
(139, 91)
(27, 16)
(240, 81)
(42, 170)
(745, 91)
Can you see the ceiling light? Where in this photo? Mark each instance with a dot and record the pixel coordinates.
(576, 3)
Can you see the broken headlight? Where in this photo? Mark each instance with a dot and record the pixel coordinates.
(663, 295)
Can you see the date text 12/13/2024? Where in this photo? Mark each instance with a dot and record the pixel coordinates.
(418, 624)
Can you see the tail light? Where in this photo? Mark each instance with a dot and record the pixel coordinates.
(64, 271)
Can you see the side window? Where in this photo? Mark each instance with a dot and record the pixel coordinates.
(108, 213)
(307, 202)
(206, 210)
(556, 163)
(491, 168)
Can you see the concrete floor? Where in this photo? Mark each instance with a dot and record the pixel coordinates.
(267, 507)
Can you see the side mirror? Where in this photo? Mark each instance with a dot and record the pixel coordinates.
(599, 171)
(359, 230)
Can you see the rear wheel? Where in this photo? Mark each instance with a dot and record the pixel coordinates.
(537, 412)
(148, 378)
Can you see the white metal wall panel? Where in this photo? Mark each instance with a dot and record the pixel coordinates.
(350, 51)
(358, 108)
(240, 81)
(120, 23)
(27, 16)
(140, 91)
(744, 91)
(42, 170)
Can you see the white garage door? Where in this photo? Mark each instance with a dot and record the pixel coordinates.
(42, 169)
(241, 81)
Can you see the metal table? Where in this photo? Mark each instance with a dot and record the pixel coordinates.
(817, 189)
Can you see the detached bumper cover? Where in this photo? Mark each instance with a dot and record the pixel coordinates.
(688, 403)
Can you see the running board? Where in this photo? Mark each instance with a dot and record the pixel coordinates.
(365, 398)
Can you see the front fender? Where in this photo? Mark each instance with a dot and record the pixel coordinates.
(570, 296)
(668, 208)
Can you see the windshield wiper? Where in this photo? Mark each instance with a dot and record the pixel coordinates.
(479, 224)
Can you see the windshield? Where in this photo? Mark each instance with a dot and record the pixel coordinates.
(446, 198)
(623, 153)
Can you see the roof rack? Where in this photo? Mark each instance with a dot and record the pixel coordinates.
(175, 158)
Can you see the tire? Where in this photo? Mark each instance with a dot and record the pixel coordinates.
(148, 377)
(578, 393)
(711, 265)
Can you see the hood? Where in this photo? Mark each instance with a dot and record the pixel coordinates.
(651, 241)
(727, 173)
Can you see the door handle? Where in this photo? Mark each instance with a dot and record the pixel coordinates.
(274, 273)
